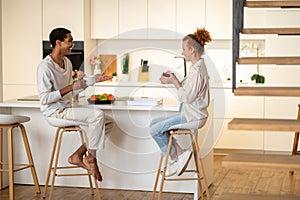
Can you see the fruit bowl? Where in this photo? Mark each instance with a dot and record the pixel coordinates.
(100, 101)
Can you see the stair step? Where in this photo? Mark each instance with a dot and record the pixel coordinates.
(258, 124)
(268, 91)
(261, 161)
(278, 31)
(269, 60)
(229, 196)
(273, 4)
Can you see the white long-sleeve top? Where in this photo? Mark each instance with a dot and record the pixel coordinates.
(194, 92)
(50, 79)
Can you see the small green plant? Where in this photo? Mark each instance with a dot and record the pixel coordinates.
(258, 78)
(114, 74)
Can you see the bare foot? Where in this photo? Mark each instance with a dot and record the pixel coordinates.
(75, 159)
(92, 167)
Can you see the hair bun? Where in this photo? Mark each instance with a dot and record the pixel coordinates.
(202, 36)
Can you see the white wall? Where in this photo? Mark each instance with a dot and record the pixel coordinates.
(22, 46)
(1, 80)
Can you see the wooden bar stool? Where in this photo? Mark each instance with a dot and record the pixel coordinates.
(185, 129)
(62, 127)
(296, 140)
(296, 137)
(10, 122)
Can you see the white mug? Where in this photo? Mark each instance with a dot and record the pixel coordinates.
(90, 80)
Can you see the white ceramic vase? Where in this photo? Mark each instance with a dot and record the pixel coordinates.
(97, 69)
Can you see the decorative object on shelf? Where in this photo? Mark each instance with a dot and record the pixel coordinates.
(125, 68)
(143, 71)
(257, 77)
(114, 79)
(125, 64)
(96, 62)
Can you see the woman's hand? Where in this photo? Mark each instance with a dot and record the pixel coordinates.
(171, 79)
(101, 77)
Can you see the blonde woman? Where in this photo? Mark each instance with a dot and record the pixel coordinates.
(193, 94)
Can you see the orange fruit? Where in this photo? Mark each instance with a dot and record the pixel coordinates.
(110, 97)
(94, 98)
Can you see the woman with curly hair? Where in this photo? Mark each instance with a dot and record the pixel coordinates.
(193, 94)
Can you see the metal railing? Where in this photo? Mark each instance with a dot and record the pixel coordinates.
(238, 23)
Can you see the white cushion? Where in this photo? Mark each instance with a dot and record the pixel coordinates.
(62, 122)
(12, 119)
(189, 125)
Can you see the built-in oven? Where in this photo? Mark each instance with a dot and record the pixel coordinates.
(76, 56)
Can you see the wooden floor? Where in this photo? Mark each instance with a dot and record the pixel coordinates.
(225, 181)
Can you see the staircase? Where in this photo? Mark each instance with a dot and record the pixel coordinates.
(263, 161)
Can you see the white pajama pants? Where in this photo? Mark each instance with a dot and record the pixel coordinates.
(93, 121)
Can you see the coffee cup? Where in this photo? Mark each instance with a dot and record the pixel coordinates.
(90, 80)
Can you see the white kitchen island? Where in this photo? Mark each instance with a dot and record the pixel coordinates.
(129, 160)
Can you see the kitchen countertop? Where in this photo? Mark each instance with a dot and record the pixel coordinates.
(169, 104)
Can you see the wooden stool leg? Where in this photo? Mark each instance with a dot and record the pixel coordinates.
(82, 133)
(157, 177)
(196, 158)
(10, 163)
(296, 138)
(296, 141)
(97, 189)
(51, 162)
(30, 159)
(55, 164)
(1, 159)
(200, 163)
(165, 167)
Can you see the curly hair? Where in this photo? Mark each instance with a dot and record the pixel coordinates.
(198, 39)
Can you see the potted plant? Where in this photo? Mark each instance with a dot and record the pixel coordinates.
(114, 79)
(257, 77)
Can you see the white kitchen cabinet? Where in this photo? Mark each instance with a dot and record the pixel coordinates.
(133, 19)
(219, 18)
(145, 19)
(190, 15)
(235, 139)
(282, 108)
(105, 19)
(21, 46)
(162, 19)
(229, 106)
(63, 13)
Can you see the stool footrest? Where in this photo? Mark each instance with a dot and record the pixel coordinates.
(72, 174)
(183, 179)
(19, 169)
(190, 170)
(66, 167)
(16, 164)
